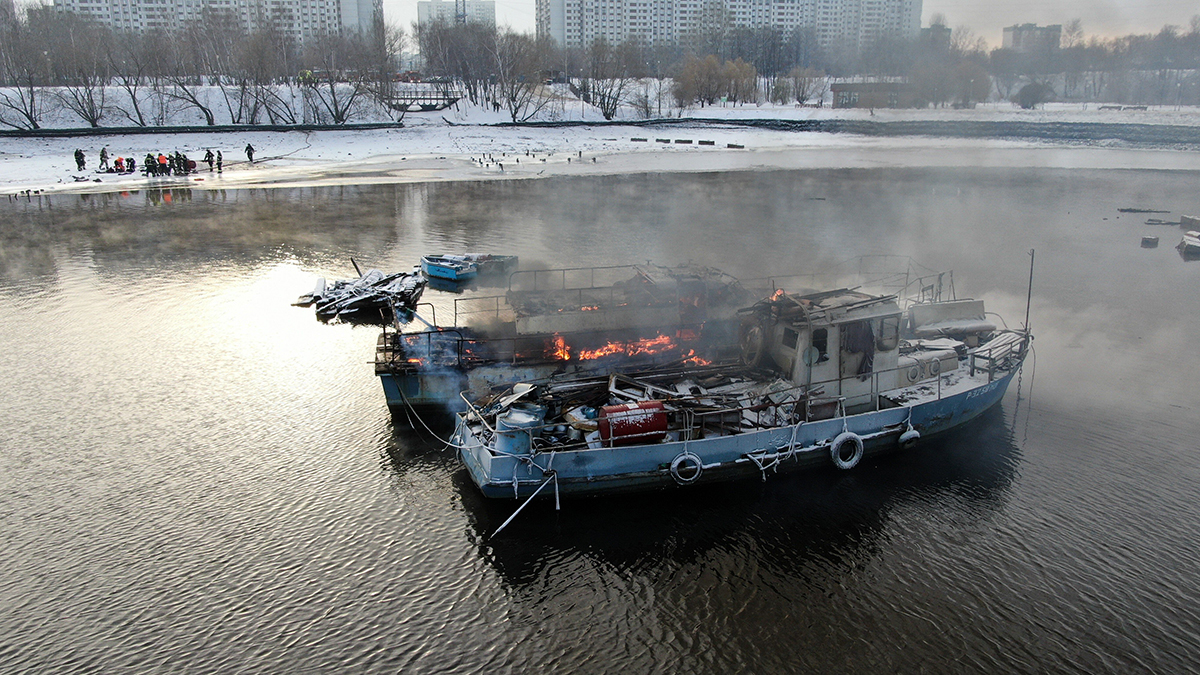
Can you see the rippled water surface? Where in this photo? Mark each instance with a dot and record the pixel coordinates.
(196, 476)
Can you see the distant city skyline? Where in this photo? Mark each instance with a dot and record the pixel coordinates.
(987, 18)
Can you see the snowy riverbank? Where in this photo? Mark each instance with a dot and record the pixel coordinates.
(464, 145)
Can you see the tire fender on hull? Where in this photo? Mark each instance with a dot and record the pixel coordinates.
(847, 440)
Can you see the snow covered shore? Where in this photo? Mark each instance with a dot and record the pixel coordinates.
(465, 145)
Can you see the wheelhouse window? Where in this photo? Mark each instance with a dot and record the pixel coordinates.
(889, 334)
(820, 342)
(790, 337)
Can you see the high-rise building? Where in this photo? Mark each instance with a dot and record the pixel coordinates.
(299, 18)
(476, 11)
(851, 23)
(1030, 37)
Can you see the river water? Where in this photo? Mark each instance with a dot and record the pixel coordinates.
(196, 476)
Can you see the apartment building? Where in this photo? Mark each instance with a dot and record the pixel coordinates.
(1030, 37)
(853, 23)
(299, 18)
(477, 11)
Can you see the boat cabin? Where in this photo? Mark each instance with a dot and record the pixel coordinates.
(841, 344)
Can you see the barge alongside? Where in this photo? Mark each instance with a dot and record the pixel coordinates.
(578, 322)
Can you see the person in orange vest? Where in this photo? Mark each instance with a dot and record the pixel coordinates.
(162, 165)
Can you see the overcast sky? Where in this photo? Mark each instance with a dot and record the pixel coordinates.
(986, 17)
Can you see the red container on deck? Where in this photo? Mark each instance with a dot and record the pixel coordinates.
(633, 423)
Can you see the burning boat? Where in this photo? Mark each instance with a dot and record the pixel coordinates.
(821, 379)
(562, 321)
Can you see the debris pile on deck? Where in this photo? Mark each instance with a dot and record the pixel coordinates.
(374, 297)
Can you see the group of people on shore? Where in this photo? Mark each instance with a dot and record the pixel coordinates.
(174, 164)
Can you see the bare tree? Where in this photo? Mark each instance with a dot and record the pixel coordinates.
(741, 81)
(1006, 67)
(26, 66)
(807, 83)
(131, 59)
(519, 65)
(972, 83)
(610, 72)
(384, 43)
(781, 90)
(79, 64)
(333, 83)
(933, 81)
(465, 52)
(700, 80)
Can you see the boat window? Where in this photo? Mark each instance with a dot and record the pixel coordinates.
(790, 337)
(820, 342)
(889, 334)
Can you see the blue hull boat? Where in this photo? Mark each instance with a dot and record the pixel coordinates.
(500, 473)
(452, 268)
(824, 379)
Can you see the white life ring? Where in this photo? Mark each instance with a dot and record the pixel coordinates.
(690, 459)
(914, 374)
(935, 366)
(835, 450)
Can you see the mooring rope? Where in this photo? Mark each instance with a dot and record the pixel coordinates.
(551, 476)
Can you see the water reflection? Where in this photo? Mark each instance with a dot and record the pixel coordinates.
(184, 453)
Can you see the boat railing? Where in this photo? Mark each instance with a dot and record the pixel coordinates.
(818, 404)
(432, 311)
(1000, 351)
(890, 273)
(489, 304)
(937, 287)
(540, 277)
(420, 346)
(494, 305)
(698, 413)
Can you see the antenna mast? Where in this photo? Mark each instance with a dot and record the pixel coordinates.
(460, 12)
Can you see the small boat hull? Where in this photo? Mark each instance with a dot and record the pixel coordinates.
(1189, 247)
(723, 458)
(443, 267)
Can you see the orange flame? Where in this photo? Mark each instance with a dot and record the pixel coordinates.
(654, 345)
(557, 349)
(590, 308)
(778, 294)
(694, 360)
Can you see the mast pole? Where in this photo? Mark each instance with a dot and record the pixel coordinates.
(1029, 296)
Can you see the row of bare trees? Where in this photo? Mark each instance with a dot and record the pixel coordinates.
(216, 71)
(212, 68)
(501, 68)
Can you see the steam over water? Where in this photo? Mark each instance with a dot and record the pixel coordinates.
(196, 476)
